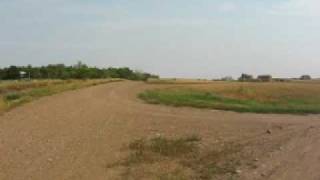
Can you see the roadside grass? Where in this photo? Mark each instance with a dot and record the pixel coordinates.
(286, 98)
(178, 159)
(15, 93)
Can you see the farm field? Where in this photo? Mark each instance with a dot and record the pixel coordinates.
(107, 132)
(274, 97)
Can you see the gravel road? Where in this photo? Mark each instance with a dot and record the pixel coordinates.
(74, 135)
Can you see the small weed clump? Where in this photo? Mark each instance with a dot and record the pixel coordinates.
(12, 96)
(152, 150)
(181, 157)
(175, 147)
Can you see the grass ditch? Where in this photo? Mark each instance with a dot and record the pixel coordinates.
(15, 93)
(208, 99)
(164, 158)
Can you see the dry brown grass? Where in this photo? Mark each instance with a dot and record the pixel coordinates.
(177, 81)
(13, 86)
(14, 93)
(271, 91)
(164, 158)
(277, 97)
(263, 91)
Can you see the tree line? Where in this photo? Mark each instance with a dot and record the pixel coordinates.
(78, 71)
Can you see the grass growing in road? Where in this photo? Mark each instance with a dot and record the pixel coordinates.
(182, 158)
(295, 98)
(165, 147)
(14, 93)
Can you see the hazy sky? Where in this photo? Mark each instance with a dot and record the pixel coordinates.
(181, 38)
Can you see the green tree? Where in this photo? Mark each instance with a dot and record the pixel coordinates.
(12, 72)
(78, 71)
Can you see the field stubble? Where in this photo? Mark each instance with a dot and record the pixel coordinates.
(284, 97)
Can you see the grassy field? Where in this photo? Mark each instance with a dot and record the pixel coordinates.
(275, 97)
(14, 93)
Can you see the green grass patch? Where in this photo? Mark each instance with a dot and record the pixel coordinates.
(12, 96)
(204, 99)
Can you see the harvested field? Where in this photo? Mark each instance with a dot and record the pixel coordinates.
(106, 132)
(289, 97)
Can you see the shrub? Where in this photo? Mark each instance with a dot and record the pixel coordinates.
(12, 96)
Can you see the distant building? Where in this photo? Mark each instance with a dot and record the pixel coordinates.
(22, 74)
(305, 77)
(265, 78)
(246, 77)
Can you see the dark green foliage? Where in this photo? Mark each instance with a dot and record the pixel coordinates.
(12, 73)
(12, 96)
(78, 71)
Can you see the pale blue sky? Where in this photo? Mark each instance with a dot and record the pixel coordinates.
(174, 38)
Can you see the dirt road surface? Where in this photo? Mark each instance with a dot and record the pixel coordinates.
(74, 135)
